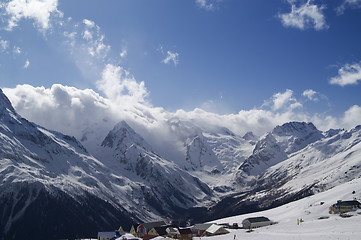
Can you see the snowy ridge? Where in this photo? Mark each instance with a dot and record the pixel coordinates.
(280, 177)
(129, 155)
(200, 155)
(125, 137)
(39, 167)
(324, 164)
(5, 104)
(294, 136)
(275, 147)
(266, 153)
(210, 172)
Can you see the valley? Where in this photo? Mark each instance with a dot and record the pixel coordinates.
(124, 179)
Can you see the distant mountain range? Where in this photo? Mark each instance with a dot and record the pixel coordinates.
(54, 186)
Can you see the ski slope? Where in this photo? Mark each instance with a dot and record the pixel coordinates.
(310, 210)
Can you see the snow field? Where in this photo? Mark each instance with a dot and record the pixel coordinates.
(309, 209)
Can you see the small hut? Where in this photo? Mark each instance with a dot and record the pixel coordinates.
(344, 206)
(214, 230)
(185, 234)
(256, 222)
(200, 228)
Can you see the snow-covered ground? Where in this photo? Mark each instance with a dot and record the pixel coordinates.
(310, 210)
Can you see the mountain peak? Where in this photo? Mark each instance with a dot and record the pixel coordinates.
(5, 103)
(292, 128)
(122, 124)
(123, 136)
(249, 136)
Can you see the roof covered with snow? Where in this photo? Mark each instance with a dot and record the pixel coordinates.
(213, 228)
(257, 219)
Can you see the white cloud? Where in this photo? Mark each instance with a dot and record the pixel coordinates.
(171, 57)
(95, 40)
(70, 39)
(84, 113)
(207, 4)
(17, 50)
(348, 4)
(69, 109)
(87, 47)
(89, 23)
(4, 44)
(310, 95)
(38, 10)
(88, 32)
(61, 108)
(123, 53)
(283, 101)
(74, 111)
(27, 63)
(117, 84)
(99, 49)
(70, 35)
(87, 35)
(280, 99)
(352, 117)
(306, 15)
(314, 96)
(347, 75)
(353, 2)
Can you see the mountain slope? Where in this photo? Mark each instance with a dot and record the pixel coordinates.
(164, 186)
(322, 164)
(45, 176)
(275, 147)
(317, 222)
(51, 184)
(131, 183)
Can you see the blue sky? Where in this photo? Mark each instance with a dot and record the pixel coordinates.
(295, 58)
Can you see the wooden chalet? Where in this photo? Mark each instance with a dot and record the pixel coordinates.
(185, 234)
(133, 229)
(172, 232)
(142, 230)
(157, 231)
(344, 206)
(121, 230)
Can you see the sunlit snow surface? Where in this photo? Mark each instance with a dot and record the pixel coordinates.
(310, 210)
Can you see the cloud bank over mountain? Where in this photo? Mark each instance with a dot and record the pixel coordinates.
(71, 110)
(117, 95)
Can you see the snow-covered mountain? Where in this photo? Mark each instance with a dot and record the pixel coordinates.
(275, 147)
(218, 153)
(288, 164)
(321, 165)
(199, 155)
(41, 169)
(51, 184)
(165, 186)
(51, 181)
